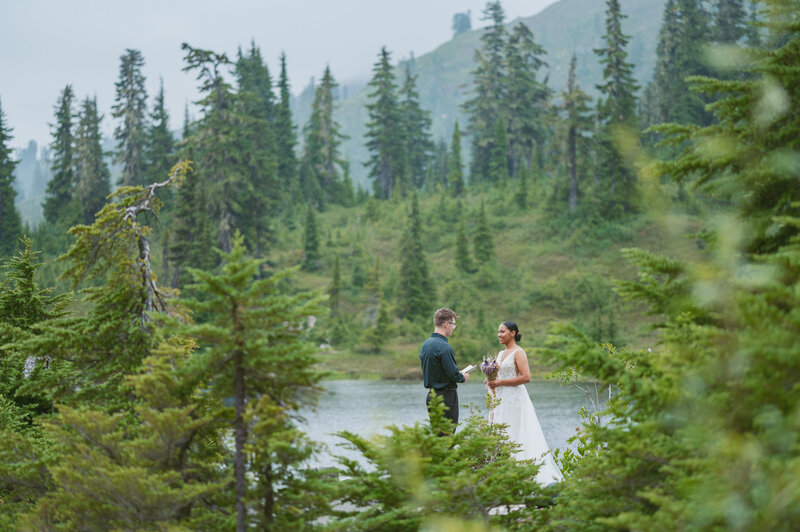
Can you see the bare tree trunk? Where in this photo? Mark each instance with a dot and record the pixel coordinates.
(573, 171)
(269, 496)
(241, 437)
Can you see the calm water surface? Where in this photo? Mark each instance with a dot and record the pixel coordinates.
(366, 407)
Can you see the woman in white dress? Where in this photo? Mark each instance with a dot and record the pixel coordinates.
(516, 409)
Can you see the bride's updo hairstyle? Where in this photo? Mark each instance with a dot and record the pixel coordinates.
(511, 326)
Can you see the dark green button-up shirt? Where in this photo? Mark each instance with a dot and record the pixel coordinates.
(439, 370)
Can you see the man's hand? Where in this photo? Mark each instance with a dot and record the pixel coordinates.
(466, 376)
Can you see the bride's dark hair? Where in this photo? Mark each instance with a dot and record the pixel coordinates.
(511, 326)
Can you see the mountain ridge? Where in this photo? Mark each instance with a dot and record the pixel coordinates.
(444, 73)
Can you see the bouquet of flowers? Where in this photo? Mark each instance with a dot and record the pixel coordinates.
(490, 367)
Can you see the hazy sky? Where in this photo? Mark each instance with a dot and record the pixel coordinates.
(46, 44)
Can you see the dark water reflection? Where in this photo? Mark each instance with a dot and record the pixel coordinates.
(365, 407)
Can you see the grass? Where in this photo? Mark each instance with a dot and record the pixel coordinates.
(545, 270)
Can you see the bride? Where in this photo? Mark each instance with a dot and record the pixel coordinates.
(516, 409)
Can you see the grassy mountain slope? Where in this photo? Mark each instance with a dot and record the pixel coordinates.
(547, 268)
(562, 28)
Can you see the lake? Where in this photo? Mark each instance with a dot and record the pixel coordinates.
(365, 407)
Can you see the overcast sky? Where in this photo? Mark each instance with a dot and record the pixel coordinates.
(46, 44)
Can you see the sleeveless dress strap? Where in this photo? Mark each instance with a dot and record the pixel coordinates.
(511, 353)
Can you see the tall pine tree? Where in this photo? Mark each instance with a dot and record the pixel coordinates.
(311, 254)
(455, 166)
(416, 123)
(58, 203)
(130, 108)
(217, 144)
(386, 142)
(499, 160)
(321, 164)
(91, 171)
(683, 35)
(730, 21)
(578, 122)
(286, 135)
(160, 141)
(10, 224)
(262, 190)
(489, 91)
(417, 291)
(617, 107)
(526, 98)
(254, 354)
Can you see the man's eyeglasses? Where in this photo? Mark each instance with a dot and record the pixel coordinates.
(453, 324)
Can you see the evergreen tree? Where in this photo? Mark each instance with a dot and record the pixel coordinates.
(522, 193)
(414, 479)
(455, 176)
(753, 28)
(462, 22)
(112, 257)
(160, 142)
(311, 254)
(579, 125)
(286, 135)
(416, 123)
(526, 97)
(192, 231)
(617, 107)
(463, 259)
(679, 54)
(58, 203)
(417, 291)
(321, 165)
(499, 161)
(335, 288)
(743, 174)
(23, 304)
(192, 234)
(262, 191)
(216, 145)
(386, 142)
(490, 89)
(372, 286)
(679, 455)
(534, 176)
(10, 224)
(730, 21)
(91, 172)
(253, 353)
(437, 169)
(157, 466)
(483, 241)
(130, 105)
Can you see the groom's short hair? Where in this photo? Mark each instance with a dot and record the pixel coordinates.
(442, 316)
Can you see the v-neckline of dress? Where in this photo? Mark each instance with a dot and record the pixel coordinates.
(507, 356)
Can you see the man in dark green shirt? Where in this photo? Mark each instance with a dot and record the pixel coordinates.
(439, 370)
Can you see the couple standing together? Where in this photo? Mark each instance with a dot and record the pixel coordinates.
(515, 409)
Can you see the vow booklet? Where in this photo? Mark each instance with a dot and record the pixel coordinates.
(469, 368)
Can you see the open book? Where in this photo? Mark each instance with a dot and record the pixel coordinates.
(469, 368)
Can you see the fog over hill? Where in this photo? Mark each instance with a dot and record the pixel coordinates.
(444, 80)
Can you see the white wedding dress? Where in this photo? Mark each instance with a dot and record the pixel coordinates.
(516, 410)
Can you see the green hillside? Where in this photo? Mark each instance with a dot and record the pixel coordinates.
(564, 27)
(548, 268)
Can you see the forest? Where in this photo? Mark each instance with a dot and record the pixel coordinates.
(162, 330)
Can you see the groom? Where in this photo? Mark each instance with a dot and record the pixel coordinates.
(439, 371)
